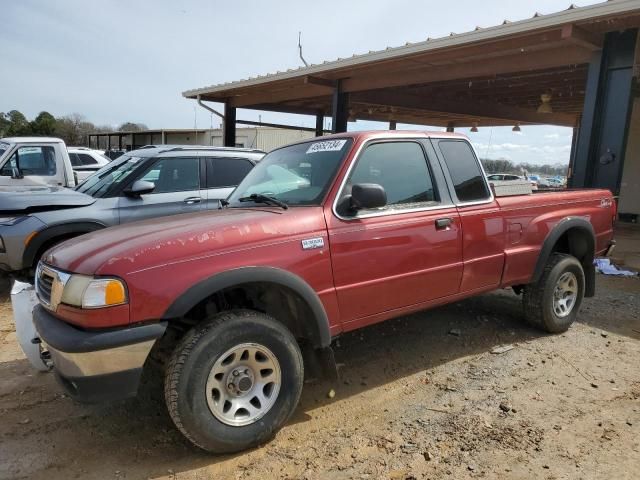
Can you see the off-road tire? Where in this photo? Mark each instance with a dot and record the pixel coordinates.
(192, 360)
(538, 297)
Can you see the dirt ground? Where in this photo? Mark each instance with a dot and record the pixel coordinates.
(420, 397)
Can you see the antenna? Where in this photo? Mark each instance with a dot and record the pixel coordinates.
(300, 50)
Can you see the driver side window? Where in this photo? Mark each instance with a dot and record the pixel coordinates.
(400, 168)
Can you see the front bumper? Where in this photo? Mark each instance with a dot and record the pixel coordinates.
(95, 366)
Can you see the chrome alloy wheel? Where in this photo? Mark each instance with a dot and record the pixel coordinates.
(243, 384)
(565, 294)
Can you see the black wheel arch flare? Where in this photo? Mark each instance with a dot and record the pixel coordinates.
(43, 237)
(318, 326)
(563, 226)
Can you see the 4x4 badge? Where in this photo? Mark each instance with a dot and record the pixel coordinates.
(310, 243)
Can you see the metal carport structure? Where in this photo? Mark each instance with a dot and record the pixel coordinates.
(573, 68)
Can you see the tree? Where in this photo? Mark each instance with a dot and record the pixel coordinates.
(4, 124)
(44, 124)
(18, 124)
(73, 129)
(132, 127)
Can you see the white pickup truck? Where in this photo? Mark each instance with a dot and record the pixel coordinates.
(35, 161)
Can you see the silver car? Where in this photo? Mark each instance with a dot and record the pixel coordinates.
(145, 183)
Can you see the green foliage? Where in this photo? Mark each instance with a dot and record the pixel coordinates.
(44, 124)
(14, 124)
(132, 127)
(73, 129)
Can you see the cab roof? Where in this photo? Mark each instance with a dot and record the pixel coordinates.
(31, 140)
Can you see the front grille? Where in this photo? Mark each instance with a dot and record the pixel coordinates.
(44, 285)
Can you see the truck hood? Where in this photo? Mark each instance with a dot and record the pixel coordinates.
(157, 242)
(31, 199)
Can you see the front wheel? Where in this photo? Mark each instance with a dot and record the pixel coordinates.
(553, 302)
(233, 381)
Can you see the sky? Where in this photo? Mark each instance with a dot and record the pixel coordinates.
(115, 61)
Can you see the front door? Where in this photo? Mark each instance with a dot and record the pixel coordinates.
(406, 253)
(177, 190)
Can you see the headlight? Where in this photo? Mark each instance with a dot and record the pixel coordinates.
(88, 292)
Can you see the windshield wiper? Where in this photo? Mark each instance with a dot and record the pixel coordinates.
(260, 198)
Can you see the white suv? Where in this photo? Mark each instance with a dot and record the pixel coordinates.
(85, 161)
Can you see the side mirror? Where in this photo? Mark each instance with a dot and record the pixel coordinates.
(139, 187)
(16, 173)
(367, 195)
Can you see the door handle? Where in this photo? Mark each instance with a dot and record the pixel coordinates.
(443, 223)
(192, 200)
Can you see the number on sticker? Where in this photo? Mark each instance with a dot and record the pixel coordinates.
(326, 146)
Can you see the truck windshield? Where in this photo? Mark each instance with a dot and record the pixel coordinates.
(299, 174)
(101, 182)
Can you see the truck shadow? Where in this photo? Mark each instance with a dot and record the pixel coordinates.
(137, 436)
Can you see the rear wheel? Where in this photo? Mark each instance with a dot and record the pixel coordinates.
(553, 302)
(233, 381)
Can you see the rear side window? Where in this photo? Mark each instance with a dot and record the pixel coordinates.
(226, 172)
(75, 160)
(87, 159)
(401, 168)
(174, 175)
(465, 171)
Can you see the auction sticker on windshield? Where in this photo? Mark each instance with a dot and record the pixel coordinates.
(326, 146)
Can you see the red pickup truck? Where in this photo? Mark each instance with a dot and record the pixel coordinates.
(322, 237)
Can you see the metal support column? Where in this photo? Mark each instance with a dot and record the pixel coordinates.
(392, 125)
(340, 109)
(120, 142)
(319, 124)
(229, 126)
(598, 156)
(450, 127)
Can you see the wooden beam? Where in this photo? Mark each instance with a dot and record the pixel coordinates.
(467, 108)
(581, 37)
(496, 66)
(280, 95)
(298, 110)
(323, 82)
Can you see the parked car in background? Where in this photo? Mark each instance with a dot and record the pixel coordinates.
(366, 226)
(502, 177)
(538, 181)
(145, 183)
(86, 161)
(32, 161)
(555, 182)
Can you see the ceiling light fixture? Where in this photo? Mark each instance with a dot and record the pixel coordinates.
(545, 106)
(474, 127)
